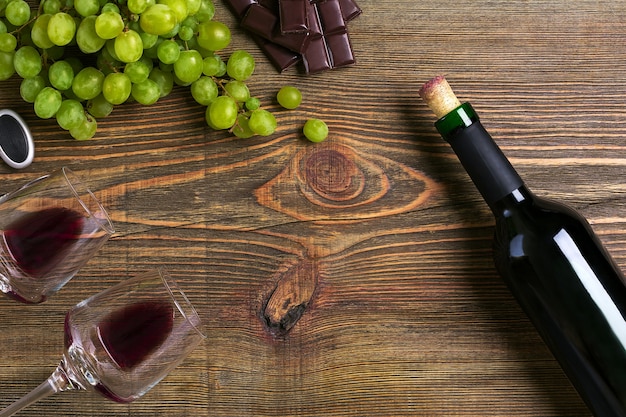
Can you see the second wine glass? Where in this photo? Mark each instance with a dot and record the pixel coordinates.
(123, 341)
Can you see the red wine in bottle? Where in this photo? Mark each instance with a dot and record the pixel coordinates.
(553, 263)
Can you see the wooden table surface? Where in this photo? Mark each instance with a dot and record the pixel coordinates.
(352, 277)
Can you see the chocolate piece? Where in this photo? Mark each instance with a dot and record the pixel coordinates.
(240, 7)
(264, 22)
(316, 58)
(281, 57)
(331, 17)
(349, 9)
(293, 16)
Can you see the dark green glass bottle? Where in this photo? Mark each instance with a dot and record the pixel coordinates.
(554, 265)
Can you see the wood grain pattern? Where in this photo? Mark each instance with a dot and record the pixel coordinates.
(374, 246)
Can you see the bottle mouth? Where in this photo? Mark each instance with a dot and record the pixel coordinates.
(88, 200)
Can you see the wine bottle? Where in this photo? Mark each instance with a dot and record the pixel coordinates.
(550, 258)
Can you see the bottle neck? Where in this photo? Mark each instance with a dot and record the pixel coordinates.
(489, 169)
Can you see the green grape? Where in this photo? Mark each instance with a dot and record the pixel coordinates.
(168, 51)
(241, 129)
(188, 67)
(17, 12)
(204, 90)
(237, 90)
(213, 35)
(116, 87)
(87, 83)
(193, 6)
(39, 32)
(61, 75)
(6, 65)
(8, 42)
(253, 103)
(222, 113)
(86, 130)
(3, 26)
(99, 106)
(262, 122)
(179, 7)
(51, 6)
(165, 80)
(87, 39)
(186, 32)
(61, 28)
(206, 11)
(109, 47)
(138, 71)
(158, 19)
(289, 97)
(138, 6)
(71, 114)
(128, 46)
(146, 92)
(148, 40)
(109, 7)
(109, 25)
(30, 87)
(315, 130)
(240, 65)
(211, 65)
(86, 7)
(47, 102)
(27, 62)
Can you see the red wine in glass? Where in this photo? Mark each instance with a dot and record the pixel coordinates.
(38, 240)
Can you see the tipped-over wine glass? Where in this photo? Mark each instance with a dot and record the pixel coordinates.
(50, 228)
(123, 341)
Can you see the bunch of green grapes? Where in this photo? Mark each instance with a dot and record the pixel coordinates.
(77, 59)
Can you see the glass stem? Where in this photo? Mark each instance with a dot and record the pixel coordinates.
(57, 382)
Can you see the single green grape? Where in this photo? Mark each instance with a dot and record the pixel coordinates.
(128, 46)
(39, 32)
(188, 67)
(99, 106)
(240, 65)
(222, 113)
(70, 115)
(109, 7)
(237, 90)
(61, 28)
(146, 92)
(289, 97)
(204, 90)
(138, 71)
(213, 35)
(17, 12)
(158, 19)
(87, 83)
(241, 129)
(116, 87)
(86, 130)
(211, 65)
(86, 7)
(262, 122)
(7, 69)
(30, 87)
(253, 103)
(51, 6)
(315, 130)
(138, 6)
(165, 80)
(8, 42)
(47, 102)
(109, 25)
(168, 51)
(179, 7)
(193, 6)
(61, 75)
(27, 62)
(206, 11)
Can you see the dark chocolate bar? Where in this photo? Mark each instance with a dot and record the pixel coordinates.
(349, 9)
(281, 57)
(240, 7)
(293, 16)
(263, 21)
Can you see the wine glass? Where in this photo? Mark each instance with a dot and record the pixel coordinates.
(50, 228)
(123, 341)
